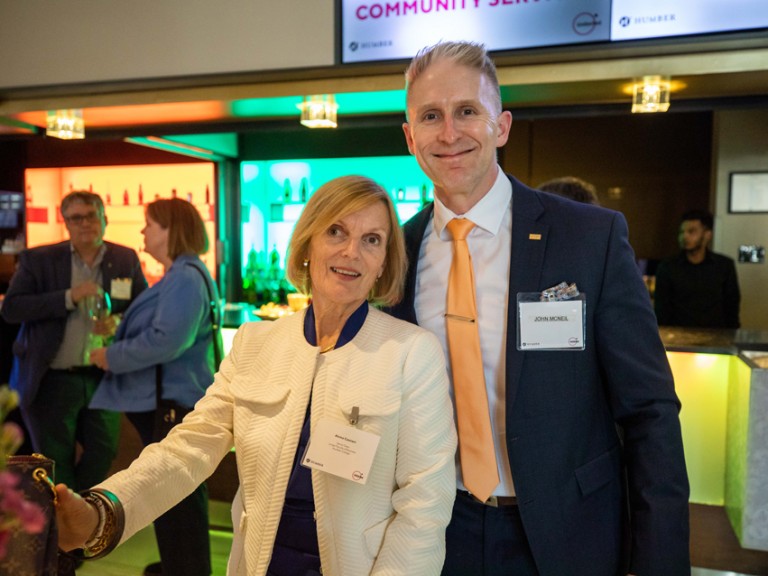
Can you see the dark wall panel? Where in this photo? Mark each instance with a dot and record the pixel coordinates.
(56, 153)
(13, 160)
(304, 142)
(651, 167)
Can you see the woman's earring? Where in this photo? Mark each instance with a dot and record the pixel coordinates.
(306, 262)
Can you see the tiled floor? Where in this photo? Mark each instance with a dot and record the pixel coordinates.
(130, 558)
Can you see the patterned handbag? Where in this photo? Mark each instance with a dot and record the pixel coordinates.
(35, 554)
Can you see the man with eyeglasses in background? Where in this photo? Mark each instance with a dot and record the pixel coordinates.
(53, 295)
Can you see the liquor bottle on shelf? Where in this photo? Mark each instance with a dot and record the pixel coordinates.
(90, 188)
(173, 192)
(303, 190)
(109, 199)
(29, 194)
(275, 293)
(274, 263)
(424, 199)
(189, 197)
(400, 194)
(207, 195)
(253, 278)
(287, 191)
(126, 198)
(141, 195)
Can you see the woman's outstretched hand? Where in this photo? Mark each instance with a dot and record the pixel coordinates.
(76, 518)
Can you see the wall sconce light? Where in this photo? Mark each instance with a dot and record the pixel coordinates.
(65, 124)
(318, 111)
(651, 94)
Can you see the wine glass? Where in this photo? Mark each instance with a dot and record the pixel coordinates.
(99, 306)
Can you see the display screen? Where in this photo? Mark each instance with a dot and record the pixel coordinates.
(639, 19)
(374, 30)
(11, 208)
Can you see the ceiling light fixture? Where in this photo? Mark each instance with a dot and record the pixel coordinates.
(651, 94)
(318, 111)
(65, 124)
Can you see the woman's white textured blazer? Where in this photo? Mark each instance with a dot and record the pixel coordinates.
(393, 372)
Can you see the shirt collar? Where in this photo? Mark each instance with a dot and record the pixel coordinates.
(96, 261)
(352, 326)
(184, 258)
(487, 214)
(684, 257)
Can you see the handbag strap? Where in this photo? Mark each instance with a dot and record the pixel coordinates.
(158, 384)
(214, 324)
(214, 329)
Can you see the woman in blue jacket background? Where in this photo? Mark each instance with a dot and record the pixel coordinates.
(168, 325)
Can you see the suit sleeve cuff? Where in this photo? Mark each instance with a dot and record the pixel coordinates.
(68, 300)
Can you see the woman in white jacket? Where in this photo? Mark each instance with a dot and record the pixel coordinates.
(369, 391)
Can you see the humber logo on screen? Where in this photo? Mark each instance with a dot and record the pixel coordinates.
(626, 21)
(355, 46)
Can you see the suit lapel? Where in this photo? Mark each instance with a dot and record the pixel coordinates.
(414, 234)
(63, 266)
(529, 243)
(106, 269)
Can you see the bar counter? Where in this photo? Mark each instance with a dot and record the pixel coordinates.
(721, 377)
(713, 341)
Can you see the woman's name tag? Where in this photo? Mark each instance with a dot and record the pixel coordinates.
(341, 450)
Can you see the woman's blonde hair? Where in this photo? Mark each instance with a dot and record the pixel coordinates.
(186, 230)
(331, 202)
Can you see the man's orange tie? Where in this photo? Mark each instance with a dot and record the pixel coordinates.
(476, 448)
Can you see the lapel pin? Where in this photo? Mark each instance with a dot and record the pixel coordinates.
(534, 236)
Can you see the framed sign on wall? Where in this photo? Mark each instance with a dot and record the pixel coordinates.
(748, 193)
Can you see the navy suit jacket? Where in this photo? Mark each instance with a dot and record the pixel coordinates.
(593, 436)
(36, 299)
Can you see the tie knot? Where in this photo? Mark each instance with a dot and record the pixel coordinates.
(460, 228)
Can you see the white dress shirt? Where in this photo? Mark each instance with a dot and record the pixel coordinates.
(78, 339)
(490, 244)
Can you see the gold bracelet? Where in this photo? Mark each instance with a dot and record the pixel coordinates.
(111, 523)
(98, 531)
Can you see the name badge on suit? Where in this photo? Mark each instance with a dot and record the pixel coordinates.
(553, 319)
(120, 288)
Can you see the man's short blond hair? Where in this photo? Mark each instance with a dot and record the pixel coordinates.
(470, 54)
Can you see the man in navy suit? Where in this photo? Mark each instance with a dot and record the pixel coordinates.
(50, 295)
(587, 440)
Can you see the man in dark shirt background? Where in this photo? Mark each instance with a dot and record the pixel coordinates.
(698, 287)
